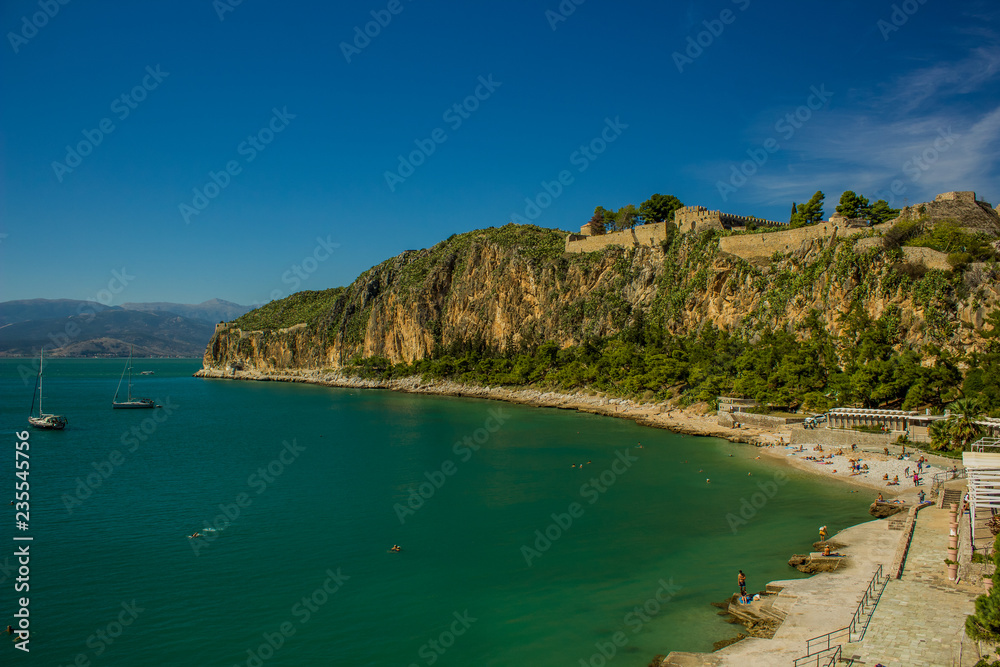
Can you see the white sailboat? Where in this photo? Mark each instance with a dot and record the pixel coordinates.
(130, 403)
(43, 420)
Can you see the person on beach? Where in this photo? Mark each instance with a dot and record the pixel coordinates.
(822, 533)
(916, 479)
(920, 496)
(880, 499)
(741, 579)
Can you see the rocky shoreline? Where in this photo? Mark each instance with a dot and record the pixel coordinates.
(687, 421)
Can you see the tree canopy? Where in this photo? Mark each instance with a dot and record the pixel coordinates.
(853, 205)
(659, 208)
(809, 213)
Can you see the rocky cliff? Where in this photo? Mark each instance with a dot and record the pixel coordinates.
(514, 287)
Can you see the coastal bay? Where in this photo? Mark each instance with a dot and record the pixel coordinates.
(657, 538)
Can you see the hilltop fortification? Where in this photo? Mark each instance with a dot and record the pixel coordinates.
(772, 237)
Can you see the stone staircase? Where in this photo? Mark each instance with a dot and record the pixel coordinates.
(949, 496)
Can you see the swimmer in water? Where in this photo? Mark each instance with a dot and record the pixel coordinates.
(708, 481)
(396, 547)
(196, 534)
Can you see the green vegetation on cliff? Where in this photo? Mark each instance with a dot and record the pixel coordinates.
(301, 307)
(837, 322)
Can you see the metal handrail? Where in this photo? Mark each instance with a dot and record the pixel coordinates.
(870, 598)
(939, 478)
(825, 658)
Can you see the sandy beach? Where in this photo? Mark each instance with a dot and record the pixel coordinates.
(879, 467)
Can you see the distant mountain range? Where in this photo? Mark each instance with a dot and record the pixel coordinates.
(70, 328)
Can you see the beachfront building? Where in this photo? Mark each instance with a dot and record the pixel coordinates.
(916, 426)
(885, 420)
(982, 467)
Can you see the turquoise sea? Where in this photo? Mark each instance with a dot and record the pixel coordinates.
(307, 489)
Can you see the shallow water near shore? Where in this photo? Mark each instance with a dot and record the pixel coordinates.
(314, 480)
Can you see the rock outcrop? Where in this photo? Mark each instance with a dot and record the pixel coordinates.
(514, 287)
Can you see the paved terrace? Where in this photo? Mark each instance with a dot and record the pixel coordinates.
(822, 603)
(919, 619)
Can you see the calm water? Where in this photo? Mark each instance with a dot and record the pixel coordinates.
(325, 504)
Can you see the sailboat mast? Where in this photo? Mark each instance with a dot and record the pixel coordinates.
(41, 362)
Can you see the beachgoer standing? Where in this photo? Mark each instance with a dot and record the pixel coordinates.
(741, 579)
(920, 496)
(916, 479)
(822, 533)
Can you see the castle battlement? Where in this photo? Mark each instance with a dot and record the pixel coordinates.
(699, 218)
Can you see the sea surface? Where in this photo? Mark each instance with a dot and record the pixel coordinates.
(306, 488)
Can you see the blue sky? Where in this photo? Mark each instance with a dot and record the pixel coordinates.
(242, 151)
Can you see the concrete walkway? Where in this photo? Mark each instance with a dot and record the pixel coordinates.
(822, 603)
(920, 619)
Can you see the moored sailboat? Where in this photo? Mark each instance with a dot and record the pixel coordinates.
(43, 420)
(130, 403)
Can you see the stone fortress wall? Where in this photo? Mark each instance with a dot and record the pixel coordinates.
(647, 235)
(758, 246)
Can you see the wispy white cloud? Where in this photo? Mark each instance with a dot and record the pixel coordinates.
(910, 91)
(927, 131)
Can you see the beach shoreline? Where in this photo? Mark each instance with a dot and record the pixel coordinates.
(678, 420)
(770, 443)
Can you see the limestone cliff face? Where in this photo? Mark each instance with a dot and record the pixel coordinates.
(514, 287)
